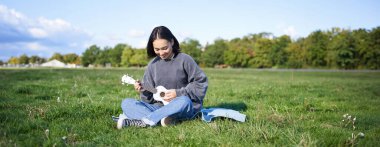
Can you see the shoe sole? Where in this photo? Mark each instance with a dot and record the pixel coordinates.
(120, 124)
(172, 122)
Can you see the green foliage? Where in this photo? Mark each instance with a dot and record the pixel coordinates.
(70, 58)
(193, 48)
(90, 54)
(341, 50)
(57, 56)
(316, 46)
(103, 57)
(214, 54)
(362, 43)
(239, 53)
(13, 60)
(36, 59)
(116, 53)
(23, 59)
(73, 107)
(262, 51)
(126, 57)
(297, 54)
(373, 53)
(139, 58)
(278, 54)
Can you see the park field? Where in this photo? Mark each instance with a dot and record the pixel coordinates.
(60, 107)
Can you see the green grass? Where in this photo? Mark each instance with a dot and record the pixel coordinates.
(283, 108)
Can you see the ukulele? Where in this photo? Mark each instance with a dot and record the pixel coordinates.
(158, 92)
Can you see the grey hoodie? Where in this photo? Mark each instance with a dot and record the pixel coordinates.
(180, 73)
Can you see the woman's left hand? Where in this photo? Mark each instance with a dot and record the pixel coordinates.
(170, 95)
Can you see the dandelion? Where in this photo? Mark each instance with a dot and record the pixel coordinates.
(354, 119)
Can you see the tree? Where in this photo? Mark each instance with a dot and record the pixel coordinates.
(239, 53)
(342, 50)
(23, 59)
(297, 54)
(90, 54)
(193, 48)
(214, 54)
(362, 45)
(70, 58)
(13, 60)
(103, 57)
(116, 53)
(126, 56)
(1, 62)
(278, 54)
(33, 59)
(316, 46)
(139, 58)
(261, 58)
(373, 53)
(57, 56)
(36, 59)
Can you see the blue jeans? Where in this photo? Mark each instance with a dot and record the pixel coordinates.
(180, 108)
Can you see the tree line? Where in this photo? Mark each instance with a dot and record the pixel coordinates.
(335, 48)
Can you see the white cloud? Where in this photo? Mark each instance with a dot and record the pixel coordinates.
(287, 30)
(38, 33)
(55, 25)
(35, 46)
(41, 36)
(290, 31)
(10, 15)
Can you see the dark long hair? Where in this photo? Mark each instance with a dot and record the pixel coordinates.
(161, 32)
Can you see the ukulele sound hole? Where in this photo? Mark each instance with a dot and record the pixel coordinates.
(162, 94)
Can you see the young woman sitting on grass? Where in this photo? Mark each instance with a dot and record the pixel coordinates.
(178, 72)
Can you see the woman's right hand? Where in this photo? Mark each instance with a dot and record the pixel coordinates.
(138, 86)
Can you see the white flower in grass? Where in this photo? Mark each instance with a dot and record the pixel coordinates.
(345, 115)
(47, 133)
(354, 119)
(361, 134)
(349, 117)
(64, 138)
(58, 99)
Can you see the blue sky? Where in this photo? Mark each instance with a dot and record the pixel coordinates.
(42, 27)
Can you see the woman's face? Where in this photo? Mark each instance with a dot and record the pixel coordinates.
(163, 48)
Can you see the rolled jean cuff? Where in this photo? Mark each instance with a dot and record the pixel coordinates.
(148, 122)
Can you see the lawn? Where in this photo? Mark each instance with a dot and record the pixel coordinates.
(59, 107)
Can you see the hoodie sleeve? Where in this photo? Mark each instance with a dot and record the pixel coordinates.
(197, 82)
(147, 96)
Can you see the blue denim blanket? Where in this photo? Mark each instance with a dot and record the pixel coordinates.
(210, 113)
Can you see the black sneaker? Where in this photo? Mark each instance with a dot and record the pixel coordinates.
(130, 122)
